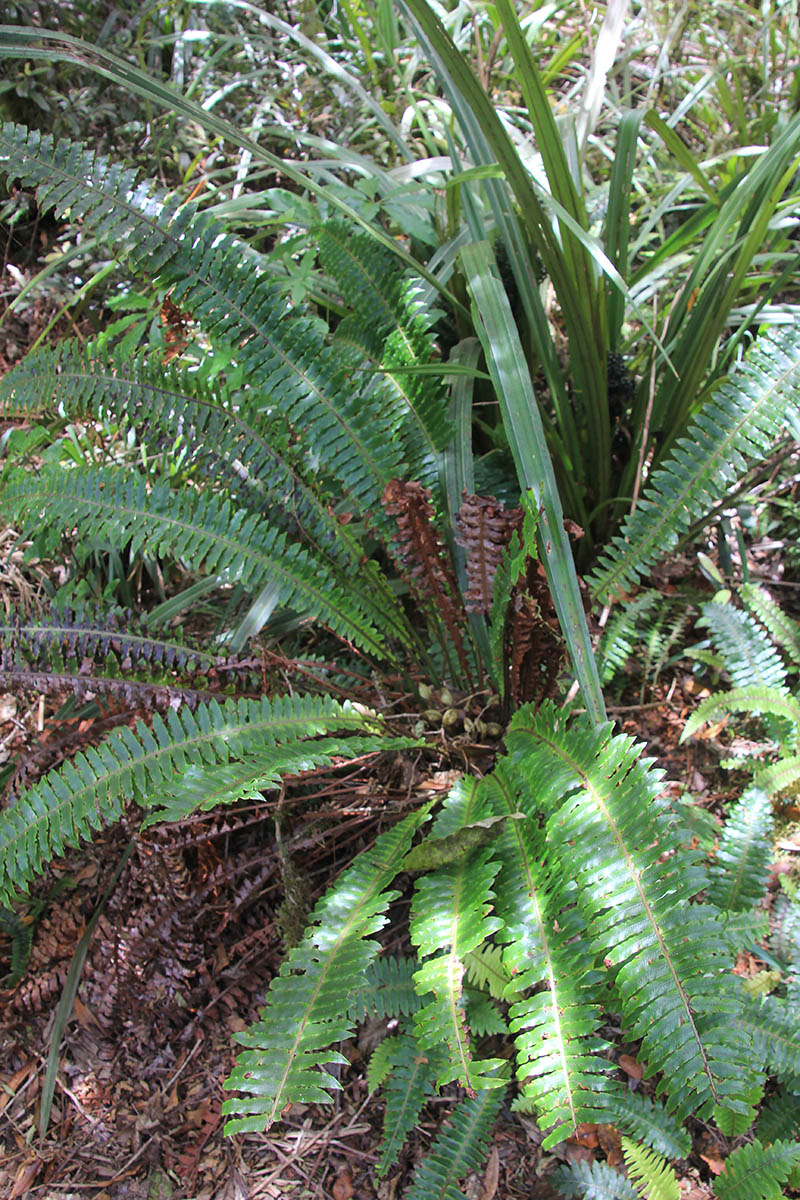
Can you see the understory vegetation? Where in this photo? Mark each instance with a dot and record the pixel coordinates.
(430, 391)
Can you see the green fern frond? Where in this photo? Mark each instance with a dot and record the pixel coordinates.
(607, 819)
(227, 437)
(202, 788)
(203, 531)
(559, 1053)
(623, 632)
(744, 929)
(738, 874)
(734, 1124)
(779, 1119)
(756, 1172)
(387, 990)
(785, 940)
(749, 656)
(391, 327)
(755, 699)
(782, 629)
(649, 1122)
(779, 777)
(220, 281)
(92, 789)
(485, 969)
(738, 425)
(593, 1181)
(289, 1048)
(411, 1080)
(652, 1177)
(460, 1147)
(450, 917)
(773, 1027)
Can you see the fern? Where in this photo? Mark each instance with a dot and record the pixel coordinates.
(782, 629)
(390, 326)
(779, 1119)
(203, 788)
(559, 1053)
(387, 990)
(226, 436)
(288, 1049)
(411, 1080)
(334, 407)
(623, 632)
(93, 788)
(593, 1181)
(450, 917)
(755, 699)
(635, 883)
(739, 871)
(458, 1148)
(201, 530)
(649, 1122)
(749, 656)
(736, 426)
(108, 654)
(756, 1172)
(652, 1176)
(773, 1028)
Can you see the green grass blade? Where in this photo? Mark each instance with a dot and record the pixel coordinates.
(526, 437)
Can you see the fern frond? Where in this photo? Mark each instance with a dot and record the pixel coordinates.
(203, 531)
(559, 1053)
(460, 1147)
(736, 426)
(782, 629)
(420, 554)
(756, 1172)
(63, 650)
(649, 1122)
(450, 917)
(485, 526)
(289, 1048)
(593, 1181)
(747, 652)
(651, 1175)
(202, 788)
(387, 990)
(508, 582)
(773, 1027)
(229, 438)
(485, 969)
(392, 328)
(220, 280)
(411, 1080)
(785, 940)
(623, 632)
(744, 929)
(92, 789)
(738, 874)
(778, 777)
(606, 817)
(779, 1119)
(756, 699)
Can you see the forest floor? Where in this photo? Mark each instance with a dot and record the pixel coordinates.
(183, 952)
